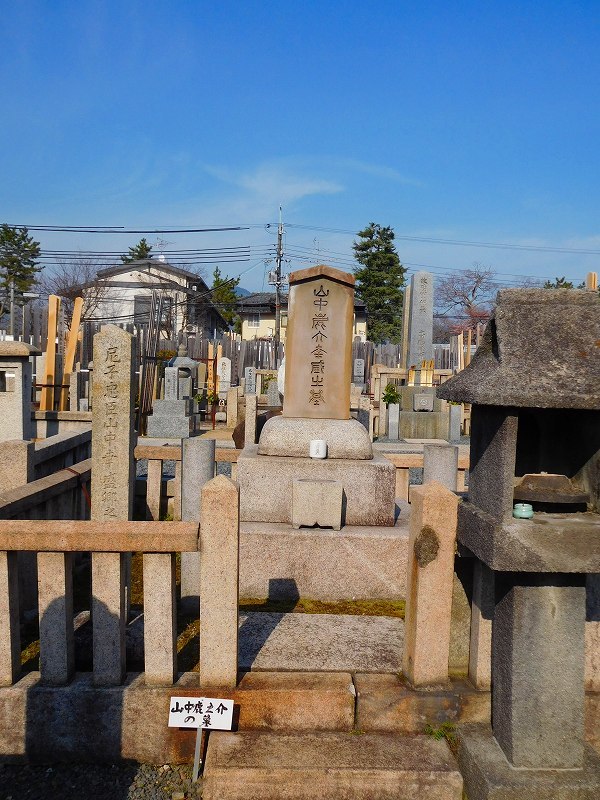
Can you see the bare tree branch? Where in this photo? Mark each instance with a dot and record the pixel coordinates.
(467, 297)
(76, 278)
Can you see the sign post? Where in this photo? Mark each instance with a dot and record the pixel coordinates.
(204, 714)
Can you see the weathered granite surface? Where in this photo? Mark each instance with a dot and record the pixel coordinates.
(538, 669)
(488, 775)
(266, 486)
(541, 350)
(330, 766)
(291, 436)
(546, 543)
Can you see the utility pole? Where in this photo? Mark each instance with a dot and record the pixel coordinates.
(278, 260)
(11, 329)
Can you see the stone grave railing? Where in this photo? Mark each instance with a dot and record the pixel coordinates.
(158, 489)
(62, 495)
(25, 461)
(56, 542)
(404, 462)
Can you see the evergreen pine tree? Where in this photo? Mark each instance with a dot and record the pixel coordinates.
(138, 252)
(379, 282)
(18, 262)
(224, 296)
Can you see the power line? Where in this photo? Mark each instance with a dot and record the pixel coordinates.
(123, 229)
(460, 242)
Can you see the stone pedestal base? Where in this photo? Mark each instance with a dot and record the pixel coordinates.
(172, 427)
(488, 775)
(266, 486)
(172, 419)
(423, 425)
(291, 436)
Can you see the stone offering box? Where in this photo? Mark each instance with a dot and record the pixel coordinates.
(535, 437)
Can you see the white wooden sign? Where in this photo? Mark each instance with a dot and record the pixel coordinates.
(201, 712)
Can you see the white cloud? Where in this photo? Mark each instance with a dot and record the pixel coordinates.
(275, 183)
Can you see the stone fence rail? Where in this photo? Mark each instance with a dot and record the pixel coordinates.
(62, 495)
(23, 461)
(158, 489)
(60, 451)
(55, 543)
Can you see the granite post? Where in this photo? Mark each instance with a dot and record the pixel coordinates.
(55, 592)
(432, 539)
(232, 407)
(160, 619)
(113, 476)
(219, 581)
(420, 324)
(17, 463)
(393, 420)
(10, 636)
(440, 463)
(538, 669)
(454, 422)
(250, 419)
(197, 468)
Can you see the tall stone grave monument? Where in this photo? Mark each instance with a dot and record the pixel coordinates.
(250, 375)
(224, 373)
(316, 406)
(420, 319)
(113, 476)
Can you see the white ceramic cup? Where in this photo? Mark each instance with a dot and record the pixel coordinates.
(317, 448)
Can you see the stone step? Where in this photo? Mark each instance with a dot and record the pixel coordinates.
(320, 642)
(329, 766)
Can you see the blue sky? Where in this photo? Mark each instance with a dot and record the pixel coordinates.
(446, 120)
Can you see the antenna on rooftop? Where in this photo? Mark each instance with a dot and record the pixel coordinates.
(161, 244)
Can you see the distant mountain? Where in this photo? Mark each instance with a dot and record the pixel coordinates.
(241, 292)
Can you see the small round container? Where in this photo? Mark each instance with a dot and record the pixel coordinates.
(317, 448)
(523, 511)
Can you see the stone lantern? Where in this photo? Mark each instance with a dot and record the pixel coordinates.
(15, 390)
(534, 386)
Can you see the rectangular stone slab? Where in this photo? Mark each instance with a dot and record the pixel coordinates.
(319, 344)
(387, 703)
(246, 766)
(356, 562)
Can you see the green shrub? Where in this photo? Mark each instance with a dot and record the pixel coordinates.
(391, 395)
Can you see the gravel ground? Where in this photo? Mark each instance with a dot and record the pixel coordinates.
(98, 782)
